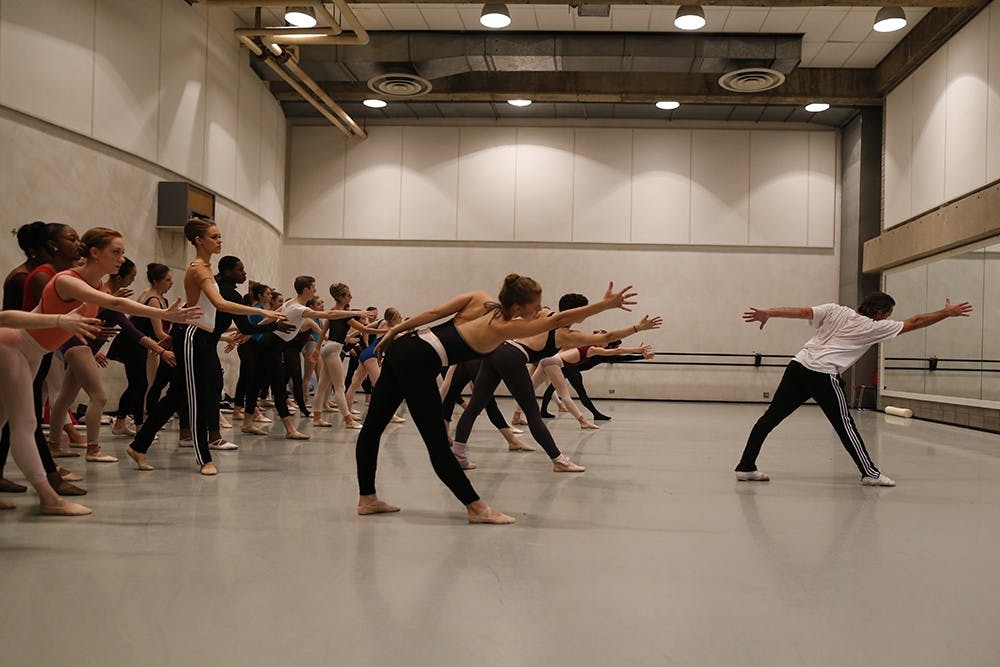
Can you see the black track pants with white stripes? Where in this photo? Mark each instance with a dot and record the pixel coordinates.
(198, 365)
(798, 385)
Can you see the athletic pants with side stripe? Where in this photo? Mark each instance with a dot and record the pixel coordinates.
(798, 385)
(198, 365)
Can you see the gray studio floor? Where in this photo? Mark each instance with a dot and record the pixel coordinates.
(654, 556)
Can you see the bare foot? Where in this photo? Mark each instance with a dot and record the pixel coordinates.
(490, 515)
(209, 469)
(373, 505)
(139, 458)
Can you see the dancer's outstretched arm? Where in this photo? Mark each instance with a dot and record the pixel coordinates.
(926, 319)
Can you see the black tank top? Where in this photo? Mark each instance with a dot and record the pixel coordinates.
(454, 345)
(549, 349)
(338, 330)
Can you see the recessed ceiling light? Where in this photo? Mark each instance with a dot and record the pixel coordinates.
(690, 17)
(494, 15)
(889, 19)
(300, 17)
(816, 107)
(519, 103)
(667, 105)
(375, 104)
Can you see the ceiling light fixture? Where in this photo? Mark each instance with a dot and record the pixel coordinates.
(301, 17)
(495, 15)
(519, 103)
(690, 17)
(816, 107)
(373, 103)
(889, 19)
(667, 105)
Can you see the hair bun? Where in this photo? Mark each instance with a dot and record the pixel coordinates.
(511, 279)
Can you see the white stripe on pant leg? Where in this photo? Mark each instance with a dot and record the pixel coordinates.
(192, 398)
(853, 435)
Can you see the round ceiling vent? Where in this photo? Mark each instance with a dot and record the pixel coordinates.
(400, 84)
(751, 80)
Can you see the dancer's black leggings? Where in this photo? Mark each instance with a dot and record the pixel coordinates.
(270, 374)
(132, 400)
(43, 447)
(248, 381)
(507, 363)
(291, 354)
(409, 373)
(465, 373)
(798, 385)
(164, 373)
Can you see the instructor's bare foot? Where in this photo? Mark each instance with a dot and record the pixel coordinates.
(209, 469)
(372, 505)
(479, 512)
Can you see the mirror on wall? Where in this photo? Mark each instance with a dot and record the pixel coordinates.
(959, 357)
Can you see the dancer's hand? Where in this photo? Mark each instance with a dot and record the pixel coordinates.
(124, 293)
(82, 327)
(101, 360)
(647, 323)
(383, 344)
(647, 351)
(756, 315)
(957, 310)
(178, 313)
(169, 358)
(620, 299)
(275, 315)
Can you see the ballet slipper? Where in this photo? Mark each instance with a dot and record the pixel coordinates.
(252, 430)
(491, 516)
(296, 435)
(562, 464)
(64, 508)
(588, 425)
(460, 452)
(598, 417)
(7, 486)
(263, 419)
(59, 452)
(95, 455)
(547, 415)
(68, 475)
(563, 408)
(519, 420)
(516, 445)
(209, 470)
(121, 428)
(355, 425)
(376, 506)
(322, 423)
(139, 458)
(7, 505)
(397, 420)
(224, 423)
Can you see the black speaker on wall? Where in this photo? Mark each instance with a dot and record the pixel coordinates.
(177, 202)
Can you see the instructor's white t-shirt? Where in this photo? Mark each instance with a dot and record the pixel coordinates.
(295, 312)
(843, 336)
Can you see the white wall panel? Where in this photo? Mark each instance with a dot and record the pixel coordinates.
(602, 174)
(966, 99)
(47, 60)
(270, 205)
(248, 139)
(127, 75)
(182, 90)
(898, 158)
(544, 185)
(720, 175)
(779, 188)
(927, 174)
(822, 189)
(993, 118)
(429, 183)
(316, 196)
(222, 115)
(281, 169)
(486, 172)
(661, 186)
(372, 192)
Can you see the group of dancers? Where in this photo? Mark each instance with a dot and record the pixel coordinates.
(71, 295)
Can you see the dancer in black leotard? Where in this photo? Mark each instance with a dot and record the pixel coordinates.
(412, 364)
